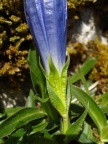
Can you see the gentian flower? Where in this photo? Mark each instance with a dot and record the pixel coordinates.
(47, 22)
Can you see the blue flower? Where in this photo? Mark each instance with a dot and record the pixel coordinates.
(47, 20)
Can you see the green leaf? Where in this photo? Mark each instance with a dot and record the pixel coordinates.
(1, 141)
(37, 77)
(104, 134)
(94, 111)
(39, 84)
(30, 102)
(39, 127)
(86, 135)
(56, 101)
(75, 128)
(19, 119)
(83, 80)
(68, 94)
(41, 100)
(11, 111)
(15, 137)
(47, 135)
(2, 114)
(103, 99)
(86, 67)
(104, 108)
(57, 86)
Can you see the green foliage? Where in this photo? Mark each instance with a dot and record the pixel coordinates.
(86, 67)
(47, 118)
(56, 111)
(19, 119)
(75, 128)
(93, 110)
(56, 86)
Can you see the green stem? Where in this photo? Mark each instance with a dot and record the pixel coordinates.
(65, 123)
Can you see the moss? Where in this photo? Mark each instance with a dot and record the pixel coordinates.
(79, 53)
(75, 3)
(14, 38)
(100, 71)
(15, 19)
(3, 38)
(101, 51)
(22, 28)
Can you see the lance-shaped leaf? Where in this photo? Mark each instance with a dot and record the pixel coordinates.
(86, 67)
(56, 87)
(47, 22)
(75, 128)
(94, 111)
(20, 118)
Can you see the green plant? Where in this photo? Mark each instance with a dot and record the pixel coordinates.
(57, 111)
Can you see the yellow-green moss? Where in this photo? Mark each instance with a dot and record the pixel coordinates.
(101, 68)
(79, 53)
(13, 38)
(3, 38)
(75, 3)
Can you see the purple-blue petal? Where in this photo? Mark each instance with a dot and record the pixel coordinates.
(55, 22)
(47, 21)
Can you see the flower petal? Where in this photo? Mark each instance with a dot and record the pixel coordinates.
(55, 22)
(35, 19)
(47, 22)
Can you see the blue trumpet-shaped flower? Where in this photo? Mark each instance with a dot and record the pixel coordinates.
(47, 23)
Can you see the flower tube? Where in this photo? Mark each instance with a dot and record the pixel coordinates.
(47, 22)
